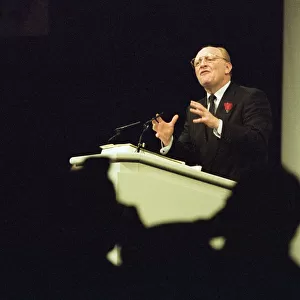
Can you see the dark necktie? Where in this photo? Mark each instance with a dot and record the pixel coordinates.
(212, 106)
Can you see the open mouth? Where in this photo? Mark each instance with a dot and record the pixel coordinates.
(204, 72)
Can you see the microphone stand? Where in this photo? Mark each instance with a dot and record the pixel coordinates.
(145, 127)
(140, 144)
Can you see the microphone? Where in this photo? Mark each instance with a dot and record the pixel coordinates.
(154, 118)
(118, 130)
(127, 126)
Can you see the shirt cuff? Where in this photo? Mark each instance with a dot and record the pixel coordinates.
(218, 132)
(166, 149)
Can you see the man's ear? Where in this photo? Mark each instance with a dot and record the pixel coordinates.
(228, 68)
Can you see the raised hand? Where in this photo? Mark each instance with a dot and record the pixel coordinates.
(164, 130)
(204, 115)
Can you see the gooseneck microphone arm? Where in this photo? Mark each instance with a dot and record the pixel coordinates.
(118, 130)
(146, 125)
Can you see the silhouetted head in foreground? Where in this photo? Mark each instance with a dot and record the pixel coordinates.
(94, 211)
(263, 211)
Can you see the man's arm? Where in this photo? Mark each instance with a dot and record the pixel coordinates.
(183, 147)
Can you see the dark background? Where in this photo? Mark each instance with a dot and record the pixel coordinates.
(72, 71)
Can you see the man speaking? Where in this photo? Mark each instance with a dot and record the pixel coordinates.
(227, 131)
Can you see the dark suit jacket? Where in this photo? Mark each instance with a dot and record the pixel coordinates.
(244, 141)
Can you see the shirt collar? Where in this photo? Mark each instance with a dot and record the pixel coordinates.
(219, 94)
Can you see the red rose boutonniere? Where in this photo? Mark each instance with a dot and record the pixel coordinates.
(228, 106)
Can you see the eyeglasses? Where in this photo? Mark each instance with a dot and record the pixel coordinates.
(208, 58)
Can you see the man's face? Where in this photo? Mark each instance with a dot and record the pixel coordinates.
(211, 70)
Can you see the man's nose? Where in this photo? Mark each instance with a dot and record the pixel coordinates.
(203, 62)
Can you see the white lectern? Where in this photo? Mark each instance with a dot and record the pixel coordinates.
(162, 189)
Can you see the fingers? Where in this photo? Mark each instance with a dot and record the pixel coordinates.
(154, 127)
(197, 105)
(200, 114)
(199, 120)
(174, 120)
(198, 109)
(203, 115)
(159, 121)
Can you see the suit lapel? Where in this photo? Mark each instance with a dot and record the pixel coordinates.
(229, 101)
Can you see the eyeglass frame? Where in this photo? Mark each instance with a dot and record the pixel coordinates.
(209, 58)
